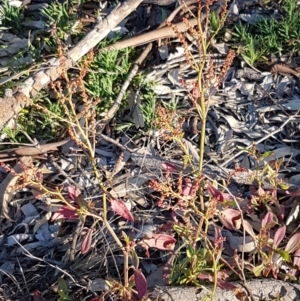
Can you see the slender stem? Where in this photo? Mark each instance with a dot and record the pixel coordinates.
(202, 135)
(215, 271)
(126, 280)
(109, 228)
(201, 106)
(198, 231)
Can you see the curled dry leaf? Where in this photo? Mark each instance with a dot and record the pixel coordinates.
(120, 208)
(7, 186)
(248, 228)
(87, 242)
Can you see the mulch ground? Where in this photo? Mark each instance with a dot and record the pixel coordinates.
(254, 104)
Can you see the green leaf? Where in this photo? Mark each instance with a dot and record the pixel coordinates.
(134, 258)
(243, 148)
(267, 154)
(189, 253)
(62, 284)
(257, 270)
(283, 186)
(284, 254)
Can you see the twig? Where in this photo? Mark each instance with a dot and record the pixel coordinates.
(23, 276)
(28, 254)
(39, 149)
(19, 74)
(77, 231)
(116, 143)
(160, 33)
(66, 175)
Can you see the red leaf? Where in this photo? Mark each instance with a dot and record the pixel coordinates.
(169, 166)
(97, 299)
(278, 237)
(87, 242)
(120, 208)
(218, 238)
(166, 228)
(266, 219)
(162, 242)
(206, 276)
(269, 219)
(194, 189)
(296, 260)
(64, 212)
(73, 193)
(187, 187)
(293, 244)
(228, 216)
(215, 193)
(196, 91)
(140, 283)
(225, 285)
(37, 296)
(260, 192)
(222, 275)
(295, 193)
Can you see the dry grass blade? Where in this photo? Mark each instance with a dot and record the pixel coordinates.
(7, 186)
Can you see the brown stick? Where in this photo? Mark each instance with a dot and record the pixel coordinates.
(278, 68)
(161, 33)
(31, 150)
(165, 32)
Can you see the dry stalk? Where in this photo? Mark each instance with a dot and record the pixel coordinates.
(82, 130)
(200, 98)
